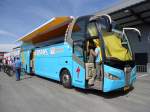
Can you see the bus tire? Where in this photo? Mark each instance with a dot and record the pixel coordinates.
(66, 79)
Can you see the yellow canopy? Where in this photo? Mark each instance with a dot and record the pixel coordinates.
(54, 28)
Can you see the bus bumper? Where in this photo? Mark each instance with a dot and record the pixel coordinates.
(110, 85)
(133, 76)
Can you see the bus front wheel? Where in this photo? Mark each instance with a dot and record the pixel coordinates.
(66, 79)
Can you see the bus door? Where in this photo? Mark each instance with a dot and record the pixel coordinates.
(93, 68)
(96, 28)
(32, 61)
(78, 64)
(78, 70)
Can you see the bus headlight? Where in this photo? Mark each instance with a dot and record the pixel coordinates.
(111, 76)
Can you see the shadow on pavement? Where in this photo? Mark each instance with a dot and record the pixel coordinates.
(48, 79)
(108, 95)
(26, 77)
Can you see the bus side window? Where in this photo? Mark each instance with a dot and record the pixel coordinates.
(78, 32)
(78, 37)
(78, 49)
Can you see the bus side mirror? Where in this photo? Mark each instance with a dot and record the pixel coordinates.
(136, 30)
(139, 37)
(107, 22)
(104, 21)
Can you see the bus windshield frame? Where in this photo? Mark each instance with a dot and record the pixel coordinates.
(100, 26)
(124, 38)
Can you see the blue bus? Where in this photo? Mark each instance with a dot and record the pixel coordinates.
(65, 58)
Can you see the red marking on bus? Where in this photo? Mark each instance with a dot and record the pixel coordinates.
(78, 71)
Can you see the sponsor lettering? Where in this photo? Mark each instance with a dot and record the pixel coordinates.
(56, 50)
(41, 52)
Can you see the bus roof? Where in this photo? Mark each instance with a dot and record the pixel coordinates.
(55, 27)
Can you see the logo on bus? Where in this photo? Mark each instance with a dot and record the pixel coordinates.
(52, 51)
(78, 72)
(41, 52)
(56, 50)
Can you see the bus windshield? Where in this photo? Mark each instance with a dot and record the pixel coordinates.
(117, 44)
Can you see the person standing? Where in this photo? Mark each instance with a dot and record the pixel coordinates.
(4, 62)
(96, 53)
(18, 68)
(0, 66)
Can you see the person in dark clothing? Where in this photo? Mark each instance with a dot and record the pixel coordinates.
(18, 68)
(5, 66)
(0, 67)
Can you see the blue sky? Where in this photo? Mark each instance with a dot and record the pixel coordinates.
(18, 17)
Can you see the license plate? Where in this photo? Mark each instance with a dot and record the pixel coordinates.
(126, 88)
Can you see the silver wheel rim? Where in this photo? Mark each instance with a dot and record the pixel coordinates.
(65, 78)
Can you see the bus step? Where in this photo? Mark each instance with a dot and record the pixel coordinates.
(97, 85)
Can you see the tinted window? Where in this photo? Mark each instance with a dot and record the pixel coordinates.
(79, 29)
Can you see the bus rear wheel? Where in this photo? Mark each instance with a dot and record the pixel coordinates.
(66, 79)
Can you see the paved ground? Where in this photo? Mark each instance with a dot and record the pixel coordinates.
(40, 95)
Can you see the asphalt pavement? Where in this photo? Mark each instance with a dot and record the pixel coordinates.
(36, 94)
